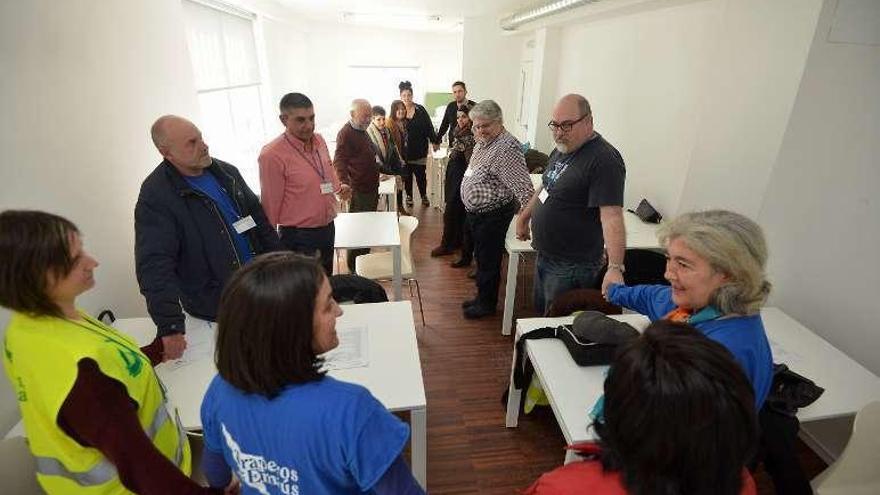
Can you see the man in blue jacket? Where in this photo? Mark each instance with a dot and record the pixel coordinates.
(196, 221)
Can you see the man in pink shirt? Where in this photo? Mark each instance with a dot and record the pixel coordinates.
(299, 184)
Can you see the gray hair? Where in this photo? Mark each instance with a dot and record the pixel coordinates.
(733, 245)
(487, 109)
(158, 131)
(357, 103)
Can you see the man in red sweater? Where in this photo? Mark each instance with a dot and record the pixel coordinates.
(357, 165)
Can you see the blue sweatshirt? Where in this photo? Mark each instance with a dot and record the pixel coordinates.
(743, 336)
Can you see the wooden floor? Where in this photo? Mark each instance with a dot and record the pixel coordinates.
(465, 366)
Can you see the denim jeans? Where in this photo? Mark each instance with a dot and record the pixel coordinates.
(554, 276)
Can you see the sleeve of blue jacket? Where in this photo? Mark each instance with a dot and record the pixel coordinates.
(653, 301)
(155, 251)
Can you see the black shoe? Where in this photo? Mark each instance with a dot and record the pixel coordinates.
(478, 311)
(469, 302)
(440, 251)
(462, 263)
(425, 203)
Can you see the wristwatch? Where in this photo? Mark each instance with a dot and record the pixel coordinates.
(617, 266)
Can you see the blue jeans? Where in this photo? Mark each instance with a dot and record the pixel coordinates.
(554, 276)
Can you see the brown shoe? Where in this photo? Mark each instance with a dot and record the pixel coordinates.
(440, 251)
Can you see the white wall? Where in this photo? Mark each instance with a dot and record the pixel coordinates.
(758, 60)
(491, 64)
(332, 48)
(82, 83)
(820, 211)
(644, 74)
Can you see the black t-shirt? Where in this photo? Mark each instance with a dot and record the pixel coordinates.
(567, 224)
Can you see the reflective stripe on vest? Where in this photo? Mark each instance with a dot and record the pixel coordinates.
(104, 471)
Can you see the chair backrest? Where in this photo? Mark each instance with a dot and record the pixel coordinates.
(857, 471)
(408, 225)
(18, 469)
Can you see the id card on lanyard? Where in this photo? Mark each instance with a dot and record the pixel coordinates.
(326, 185)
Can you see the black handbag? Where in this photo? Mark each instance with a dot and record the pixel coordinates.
(647, 213)
(592, 340)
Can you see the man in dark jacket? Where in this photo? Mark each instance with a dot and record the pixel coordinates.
(459, 92)
(196, 221)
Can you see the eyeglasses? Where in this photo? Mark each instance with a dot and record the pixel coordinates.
(564, 126)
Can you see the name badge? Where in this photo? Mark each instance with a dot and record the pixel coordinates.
(245, 224)
(469, 172)
(326, 188)
(543, 195)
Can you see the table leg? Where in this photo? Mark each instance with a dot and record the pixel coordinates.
(418, 446)
(509, 292)
(396, 281)
(514, 395)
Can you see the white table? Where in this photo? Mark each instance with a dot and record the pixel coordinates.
(368, 230)
(573, 390)
(393, 375)
(436, 173)
(639, 235)
(388, 192)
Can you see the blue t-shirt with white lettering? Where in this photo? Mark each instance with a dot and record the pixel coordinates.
(207, 184)
(325, 436)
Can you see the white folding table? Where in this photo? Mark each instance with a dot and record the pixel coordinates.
(368, 230)
(388, 192)
(393, 374)
(639, 235)
(572, 390)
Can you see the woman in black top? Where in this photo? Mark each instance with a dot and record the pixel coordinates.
(454, 230)
(419, 134)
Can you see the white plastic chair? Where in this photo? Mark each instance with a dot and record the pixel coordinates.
(19, 469)
(857, 471)
(379, 266)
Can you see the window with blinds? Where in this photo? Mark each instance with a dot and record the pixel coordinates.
(227, 78)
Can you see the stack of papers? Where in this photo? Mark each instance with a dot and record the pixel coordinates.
(352, 351)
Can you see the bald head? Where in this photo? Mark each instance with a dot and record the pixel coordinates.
(180, 142)
(361, 112)
(574, 122)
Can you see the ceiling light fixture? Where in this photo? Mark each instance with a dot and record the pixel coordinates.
(516, 20)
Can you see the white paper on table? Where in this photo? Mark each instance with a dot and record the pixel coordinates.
(781, 355)
(199, 346)
(352, 351)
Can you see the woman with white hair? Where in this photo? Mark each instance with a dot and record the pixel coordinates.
(715, 265)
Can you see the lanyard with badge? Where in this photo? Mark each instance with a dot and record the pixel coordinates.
(552, 176)
(326, 186)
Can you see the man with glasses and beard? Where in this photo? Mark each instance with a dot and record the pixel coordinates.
(577, 215)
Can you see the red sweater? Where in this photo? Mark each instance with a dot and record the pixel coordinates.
(588, 477)
(98, 413)
(355, 160)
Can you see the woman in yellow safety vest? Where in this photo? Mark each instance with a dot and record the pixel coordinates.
(94, 411)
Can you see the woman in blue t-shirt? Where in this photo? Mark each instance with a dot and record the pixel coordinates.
(715, 265)
(271, 415)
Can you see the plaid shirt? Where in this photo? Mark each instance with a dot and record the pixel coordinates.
(496, 175)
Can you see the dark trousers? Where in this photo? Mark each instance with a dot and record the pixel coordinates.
(361, 201)
(778, 450)
(312, 241)
(420, 172)
(488, 230)
(454, 214)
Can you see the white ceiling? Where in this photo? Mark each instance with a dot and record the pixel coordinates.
(411, 14)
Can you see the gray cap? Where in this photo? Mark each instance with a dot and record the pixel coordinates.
(599, 328)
